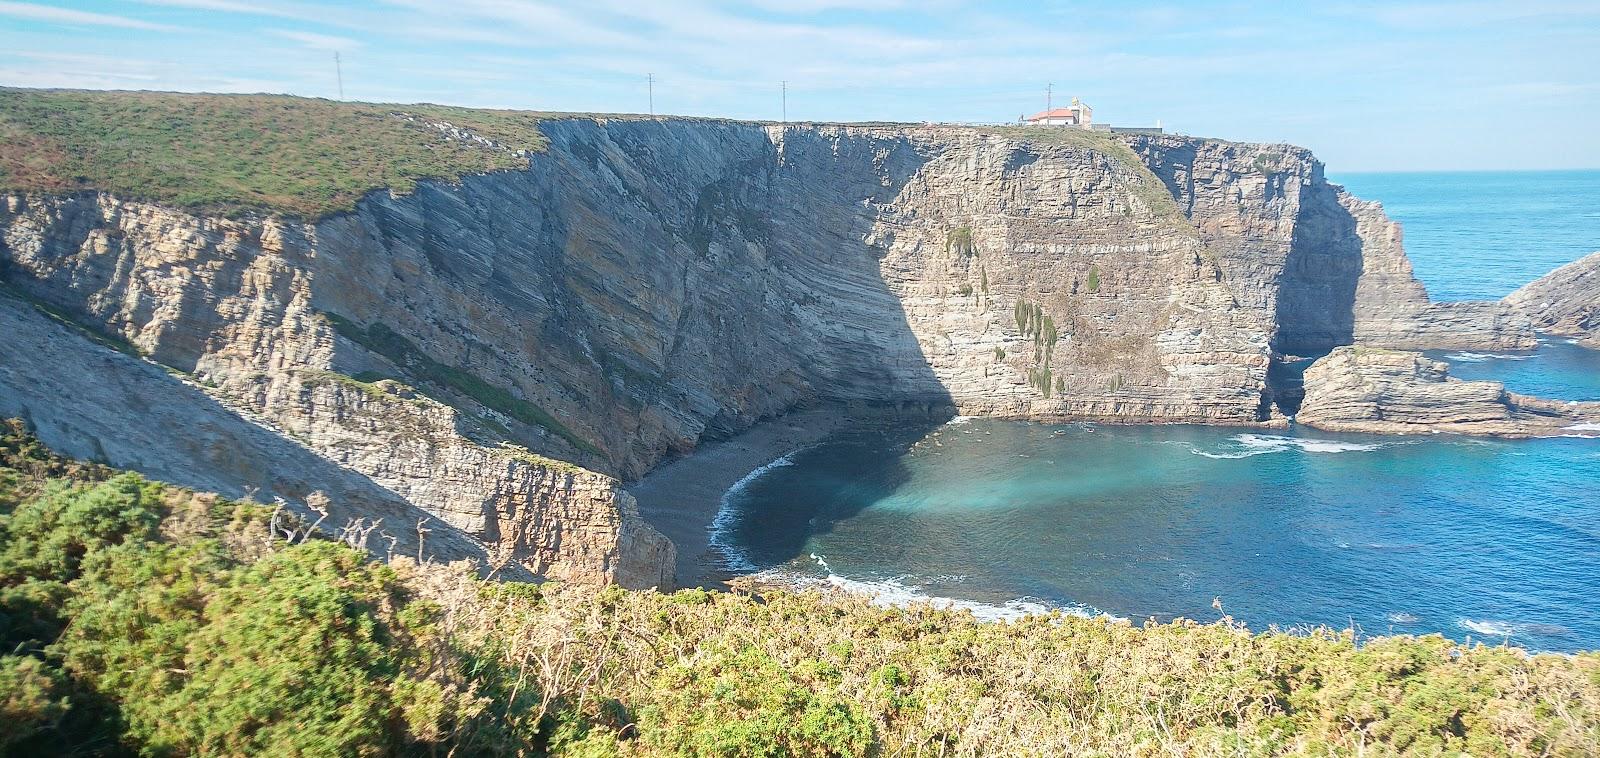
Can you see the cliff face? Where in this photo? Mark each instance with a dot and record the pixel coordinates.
(1565, 301)
(646, 284)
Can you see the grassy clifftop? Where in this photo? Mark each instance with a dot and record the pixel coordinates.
(232, 153)
(141, 618)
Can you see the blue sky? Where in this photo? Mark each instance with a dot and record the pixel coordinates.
(1370, 86)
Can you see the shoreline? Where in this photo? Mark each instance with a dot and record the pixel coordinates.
(682, 498)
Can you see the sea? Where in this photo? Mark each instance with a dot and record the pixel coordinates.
(1493, 541)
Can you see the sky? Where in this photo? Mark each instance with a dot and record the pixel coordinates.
(1370, 86)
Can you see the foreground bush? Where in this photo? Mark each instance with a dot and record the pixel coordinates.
(140, 618)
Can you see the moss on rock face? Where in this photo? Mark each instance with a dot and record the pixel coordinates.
(139, 617)
(380, 339)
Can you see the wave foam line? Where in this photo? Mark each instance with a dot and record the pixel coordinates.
(1264, 444)
(1470, 357)
(722, 525)
(894, 593)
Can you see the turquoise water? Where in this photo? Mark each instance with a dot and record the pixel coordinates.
(1558, 369)
(1486, 539)
(1480, 235)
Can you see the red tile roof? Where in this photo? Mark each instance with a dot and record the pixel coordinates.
(1054, 113)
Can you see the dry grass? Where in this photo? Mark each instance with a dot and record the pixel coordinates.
(936, 682)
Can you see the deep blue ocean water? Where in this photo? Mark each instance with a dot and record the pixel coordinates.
(1496, 540)
(1480, 235)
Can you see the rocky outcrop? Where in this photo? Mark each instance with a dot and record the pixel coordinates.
(1360, 389)
(90, 401)
(1565, 301)
(227, 304)
(1392, 309)
(645, 285)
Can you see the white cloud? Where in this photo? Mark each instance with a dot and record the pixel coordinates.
(77, 70)
(802, 7)
(33, 12)
(317, 41)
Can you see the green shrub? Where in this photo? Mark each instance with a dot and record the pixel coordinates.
(959, 242)
(198, 634)
(31, 699)
(746, 703)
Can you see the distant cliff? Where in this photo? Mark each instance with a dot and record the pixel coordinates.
(644, 284)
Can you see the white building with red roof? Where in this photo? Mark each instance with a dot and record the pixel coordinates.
(1077, 114)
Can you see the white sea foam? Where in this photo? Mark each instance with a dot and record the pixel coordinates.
(721, 528)
(897, 593)
(1469, 357)
(1584, 427)
(958, 420)
(1513, 629)
(1402, 617)
(1263, 444)
(1488, 628)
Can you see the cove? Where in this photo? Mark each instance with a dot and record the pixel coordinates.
(1489, 539)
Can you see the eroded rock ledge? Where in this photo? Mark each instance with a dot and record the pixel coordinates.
(1360, 389)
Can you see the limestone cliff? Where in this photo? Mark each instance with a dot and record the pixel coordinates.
(646, 284)
(1359, 389)
(1565, 301)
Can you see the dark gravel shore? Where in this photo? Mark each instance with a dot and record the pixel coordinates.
(682, 497)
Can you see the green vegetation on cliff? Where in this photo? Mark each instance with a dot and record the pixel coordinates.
(380, 339)
(142, 618)
(232, 153)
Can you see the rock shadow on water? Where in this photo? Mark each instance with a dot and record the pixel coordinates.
(768, 520)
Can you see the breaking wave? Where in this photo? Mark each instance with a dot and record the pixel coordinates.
(735, 558)
(1246, 445)
(1470, 357)
(1513, 629)
(1488, 628)
(899, 594)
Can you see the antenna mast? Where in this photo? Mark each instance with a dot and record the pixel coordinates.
(338, 71)
(1048, 91)
(784, 85)
(650, 84)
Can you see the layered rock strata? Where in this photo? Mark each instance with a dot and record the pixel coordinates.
(1565, 301)
(1357, 389)
(648, 284)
